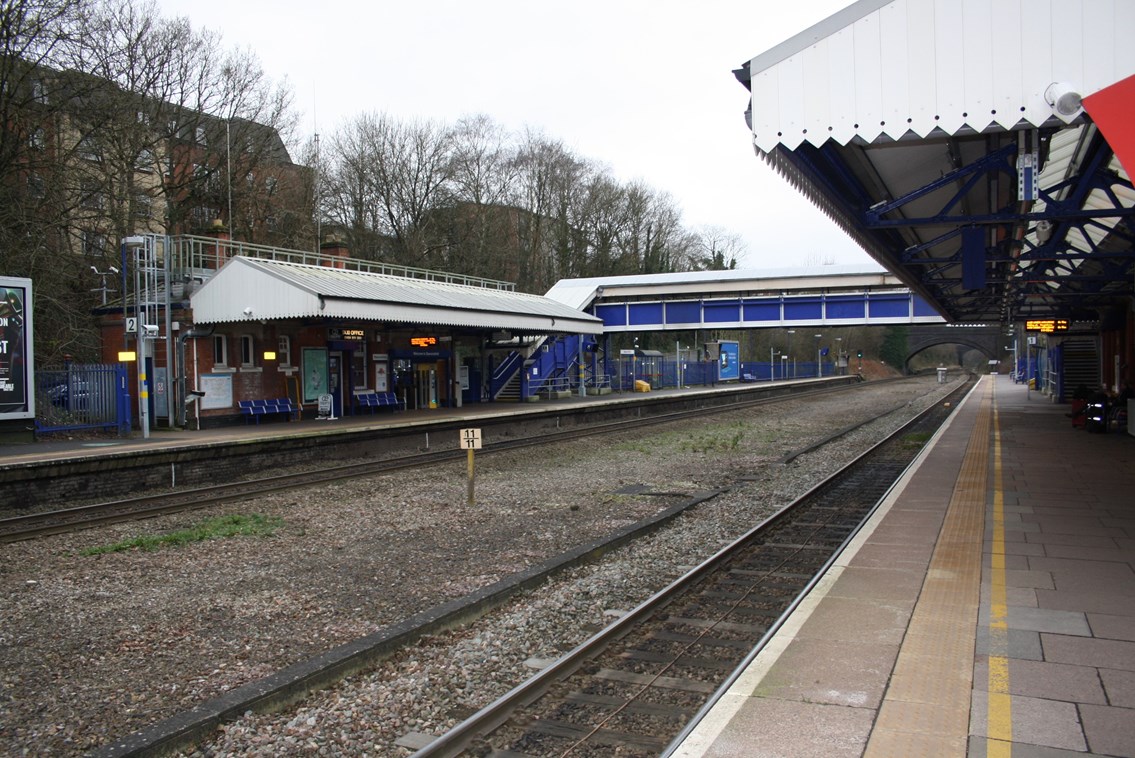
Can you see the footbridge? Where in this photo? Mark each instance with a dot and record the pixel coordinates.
(746, 299)
(822, 296)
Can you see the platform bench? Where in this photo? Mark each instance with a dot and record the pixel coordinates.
(254, 409)
(375, 400)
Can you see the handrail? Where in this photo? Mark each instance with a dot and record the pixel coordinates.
(189, 252)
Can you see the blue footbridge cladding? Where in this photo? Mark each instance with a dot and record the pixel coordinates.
(864, 308)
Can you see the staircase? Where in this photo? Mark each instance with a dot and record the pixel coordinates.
(1081, 360)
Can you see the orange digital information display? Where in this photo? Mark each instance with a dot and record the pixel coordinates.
(1047, 325)
(423, 341)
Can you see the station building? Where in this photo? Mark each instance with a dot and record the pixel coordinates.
(218, 322)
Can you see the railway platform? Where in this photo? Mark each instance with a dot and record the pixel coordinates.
(67, 447)
(987, 608)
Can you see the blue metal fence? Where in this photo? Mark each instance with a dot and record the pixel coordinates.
(79, 397)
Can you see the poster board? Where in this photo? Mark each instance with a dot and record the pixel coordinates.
(218, 389)
(314, 373)
(17, 388)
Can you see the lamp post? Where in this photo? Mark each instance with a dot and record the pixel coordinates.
(771, 364)
(788, 349)
(138, 245)
(838, 354)
(819, 365)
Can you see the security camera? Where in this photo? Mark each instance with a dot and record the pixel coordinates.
(113, 270)
(248, 311)
(149, 330)
(1063, 98)
(94, 269)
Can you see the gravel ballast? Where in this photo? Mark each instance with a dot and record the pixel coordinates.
(95, 647)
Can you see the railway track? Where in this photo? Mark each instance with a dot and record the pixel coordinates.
(45, 523)
(632, 689)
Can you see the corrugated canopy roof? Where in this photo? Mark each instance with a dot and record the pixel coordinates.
(249, 289)
(949, 140)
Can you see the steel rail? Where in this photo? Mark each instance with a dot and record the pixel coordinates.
(455, 741)
(46, 523)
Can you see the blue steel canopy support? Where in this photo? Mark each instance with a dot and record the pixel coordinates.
(996, 161)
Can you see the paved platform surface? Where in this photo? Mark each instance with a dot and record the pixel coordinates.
(988, 609)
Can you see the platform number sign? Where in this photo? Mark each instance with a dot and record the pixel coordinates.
(470, 440)
(131, 324)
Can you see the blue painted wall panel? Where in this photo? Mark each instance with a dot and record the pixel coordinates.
(722, 312)
(762, 310)
(888, 306)
(612, 315)
(921, 307)
(802, 308)
(645, 314)
(683, 312)
(849, 306)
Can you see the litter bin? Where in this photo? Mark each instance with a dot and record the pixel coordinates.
(941, 376)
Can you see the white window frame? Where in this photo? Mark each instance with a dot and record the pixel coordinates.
(247, 351)
(220, 351)
(284, 351)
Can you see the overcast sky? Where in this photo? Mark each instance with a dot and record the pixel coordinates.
(643, 87)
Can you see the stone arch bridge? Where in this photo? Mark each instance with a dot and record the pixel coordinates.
(986, 338)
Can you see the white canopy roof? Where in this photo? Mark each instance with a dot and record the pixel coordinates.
(879, 69)
(250, 289)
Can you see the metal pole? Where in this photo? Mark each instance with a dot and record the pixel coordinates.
(140, 340)
(469, 500)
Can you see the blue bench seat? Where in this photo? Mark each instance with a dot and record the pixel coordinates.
(375, 400)
(254, 409)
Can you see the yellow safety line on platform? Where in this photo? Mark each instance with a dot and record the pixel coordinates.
(926, 707)
(999, 715)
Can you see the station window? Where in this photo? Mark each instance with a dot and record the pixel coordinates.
(284, 350)
(247, 350)
(220, 350)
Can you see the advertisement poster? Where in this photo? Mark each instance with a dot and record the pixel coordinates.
(314, 373)
(380, 378)
(729, 361)
(16, 360)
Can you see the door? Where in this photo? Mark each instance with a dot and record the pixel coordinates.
(335, 382)
(425, 385)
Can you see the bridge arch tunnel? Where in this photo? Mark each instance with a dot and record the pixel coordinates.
(987, 340)
(961, 347)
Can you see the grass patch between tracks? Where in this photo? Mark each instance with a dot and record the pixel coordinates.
(917, 439)
(214, 528)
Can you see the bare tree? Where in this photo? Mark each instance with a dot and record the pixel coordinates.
(483, 225)
(716, 249)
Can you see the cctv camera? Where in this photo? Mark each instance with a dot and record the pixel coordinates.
(94, 269)
(113, 270)
(248, 311)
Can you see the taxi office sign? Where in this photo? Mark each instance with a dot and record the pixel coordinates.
(1046, 325)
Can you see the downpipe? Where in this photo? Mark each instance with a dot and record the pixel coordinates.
(182, 338)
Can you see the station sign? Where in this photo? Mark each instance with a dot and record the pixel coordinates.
(1046, 325)
(344, 334)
